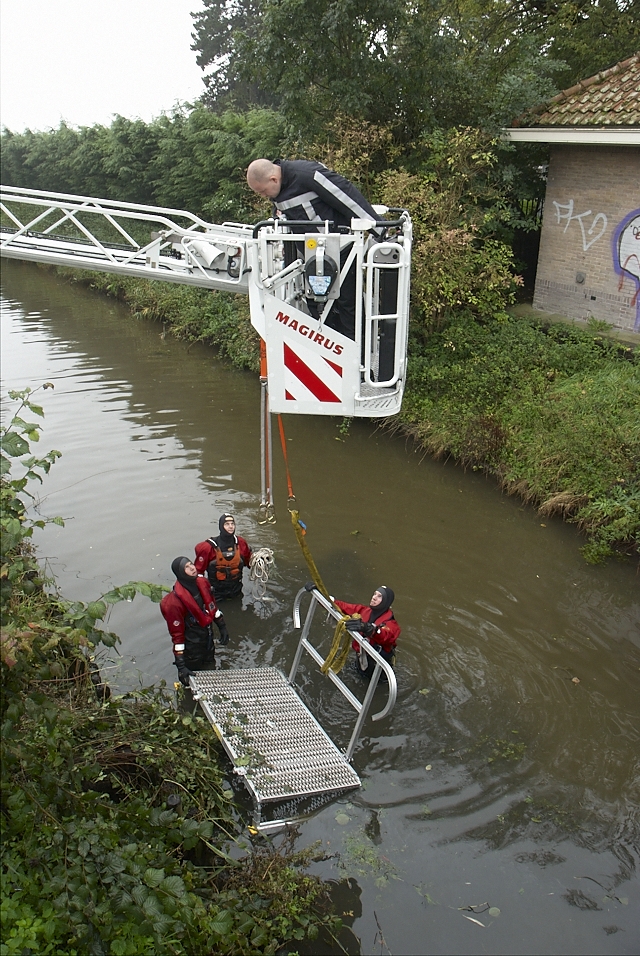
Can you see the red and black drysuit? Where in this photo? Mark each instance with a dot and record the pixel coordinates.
(311, 192)
(190, 610)
(380, 629)
(223, 559)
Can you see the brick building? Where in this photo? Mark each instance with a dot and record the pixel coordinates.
(589, 261)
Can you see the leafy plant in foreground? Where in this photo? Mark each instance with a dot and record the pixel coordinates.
(95, 857)
(14, 443)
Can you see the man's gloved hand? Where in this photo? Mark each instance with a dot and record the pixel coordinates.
(310, 586)
(354, 625)
(360, 627)
(224, 633)
(183, 671)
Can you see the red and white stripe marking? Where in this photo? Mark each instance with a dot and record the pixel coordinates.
(309, 376)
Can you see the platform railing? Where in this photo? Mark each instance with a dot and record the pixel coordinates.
(304, 644)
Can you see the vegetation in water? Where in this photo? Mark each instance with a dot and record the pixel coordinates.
(362, 859)
(117, 834)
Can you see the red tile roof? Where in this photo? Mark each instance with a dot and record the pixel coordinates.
(610, 98)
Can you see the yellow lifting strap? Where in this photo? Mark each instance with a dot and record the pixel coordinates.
(339, 651)
(315, 574)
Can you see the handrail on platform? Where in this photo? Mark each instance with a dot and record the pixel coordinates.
(361, 707)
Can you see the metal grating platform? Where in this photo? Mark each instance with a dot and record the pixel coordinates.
(376, 398)
(273, 740)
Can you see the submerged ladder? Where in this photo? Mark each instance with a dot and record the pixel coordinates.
(284, 756)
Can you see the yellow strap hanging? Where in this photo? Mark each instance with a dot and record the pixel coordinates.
(315, 574)
(339, 651)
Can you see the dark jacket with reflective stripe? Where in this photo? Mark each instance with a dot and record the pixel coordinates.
(310, 191)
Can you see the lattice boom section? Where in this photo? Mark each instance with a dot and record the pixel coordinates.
(271, 737)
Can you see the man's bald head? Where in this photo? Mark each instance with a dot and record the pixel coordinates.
(264, 178)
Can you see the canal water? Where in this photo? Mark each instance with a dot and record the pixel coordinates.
(499, 812)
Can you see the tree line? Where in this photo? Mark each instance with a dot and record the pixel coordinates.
(412, 65)
(404, 98)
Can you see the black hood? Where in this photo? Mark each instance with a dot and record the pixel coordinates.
(385, 603)
(178, 566)
(226, 541)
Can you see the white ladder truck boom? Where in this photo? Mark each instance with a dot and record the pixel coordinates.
(311, 368)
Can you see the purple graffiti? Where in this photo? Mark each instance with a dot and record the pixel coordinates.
(626, 256)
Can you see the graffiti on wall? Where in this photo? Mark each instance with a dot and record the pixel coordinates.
(626, 256)
(596, 228)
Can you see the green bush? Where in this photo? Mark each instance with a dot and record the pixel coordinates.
(463, 212)
(189, 159)
(92, 859)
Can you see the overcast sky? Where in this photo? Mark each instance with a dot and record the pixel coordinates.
(84, 60)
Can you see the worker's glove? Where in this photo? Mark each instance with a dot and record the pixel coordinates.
(310, 586)
(354, 625)
(183, 671)
(224, 633)
(358, 626)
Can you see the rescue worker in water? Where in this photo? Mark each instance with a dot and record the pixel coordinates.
(377, 625)
(223, 559)
(190, 610)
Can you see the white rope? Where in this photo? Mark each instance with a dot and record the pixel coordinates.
(259, 567)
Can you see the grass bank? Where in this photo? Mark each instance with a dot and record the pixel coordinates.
(550, 410)
(119, 834)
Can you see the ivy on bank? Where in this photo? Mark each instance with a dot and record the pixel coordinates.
(117, 834)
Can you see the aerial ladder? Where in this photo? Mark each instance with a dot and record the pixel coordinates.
(311, 368)
(292, 273)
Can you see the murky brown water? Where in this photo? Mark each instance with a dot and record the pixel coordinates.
(531, 802)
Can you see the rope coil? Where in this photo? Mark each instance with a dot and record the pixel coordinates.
(259, 567)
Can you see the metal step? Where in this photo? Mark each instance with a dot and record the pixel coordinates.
(273, 740)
